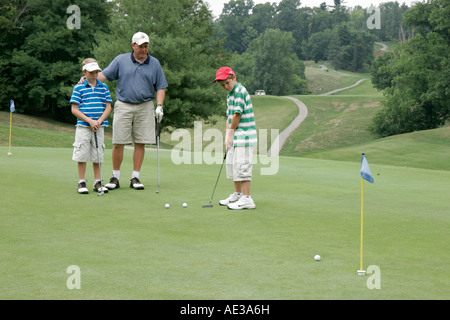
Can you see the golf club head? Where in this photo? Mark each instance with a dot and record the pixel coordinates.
(209, 205)
(101, 193)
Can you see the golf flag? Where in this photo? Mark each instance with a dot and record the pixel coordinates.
(12, 107)
(365, 170)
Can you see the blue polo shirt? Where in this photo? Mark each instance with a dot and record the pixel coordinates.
(137, 82)
(91, 101)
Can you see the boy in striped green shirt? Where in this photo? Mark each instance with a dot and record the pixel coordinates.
(240, 137)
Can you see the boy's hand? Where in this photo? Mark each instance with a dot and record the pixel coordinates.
(94, 125)
(229, 138)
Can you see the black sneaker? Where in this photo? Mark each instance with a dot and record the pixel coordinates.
(97, 187)
(136, 184)
(113, 184)
(81, 188)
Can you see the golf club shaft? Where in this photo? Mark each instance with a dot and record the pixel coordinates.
(157, 154)
(99, 165)
(224, 157)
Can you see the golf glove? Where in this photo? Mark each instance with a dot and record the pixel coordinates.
(159, 113)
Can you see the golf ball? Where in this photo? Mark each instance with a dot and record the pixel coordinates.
(317, 257)
(185, 205)
(167, 206)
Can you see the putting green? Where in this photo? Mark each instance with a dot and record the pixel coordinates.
(128, 246)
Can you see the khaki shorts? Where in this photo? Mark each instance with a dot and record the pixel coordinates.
(134, 123)
(240, 163)
(84, 148)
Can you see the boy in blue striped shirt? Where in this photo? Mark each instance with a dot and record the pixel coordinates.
(91, 104)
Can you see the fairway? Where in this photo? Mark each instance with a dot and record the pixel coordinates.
(128, 246)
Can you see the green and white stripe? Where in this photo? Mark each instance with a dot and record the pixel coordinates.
(238, 101)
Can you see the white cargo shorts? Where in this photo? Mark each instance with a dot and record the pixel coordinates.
(84, 148)
(240, 163)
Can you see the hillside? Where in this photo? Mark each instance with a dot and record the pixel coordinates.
(335, 128)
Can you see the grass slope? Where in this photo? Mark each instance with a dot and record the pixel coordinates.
(128, 246)
(425, 149)
(332, 121)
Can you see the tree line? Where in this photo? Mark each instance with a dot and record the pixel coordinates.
(266, 44)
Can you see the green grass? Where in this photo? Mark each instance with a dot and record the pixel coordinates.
(270, 112)
(332, 121)
(335, 79)
(425, 149)
(128, 246)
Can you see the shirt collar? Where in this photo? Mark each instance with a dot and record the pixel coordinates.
(96, 84)
(147, 61)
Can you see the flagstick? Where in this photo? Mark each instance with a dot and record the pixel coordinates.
(362, 272)
(10, 127)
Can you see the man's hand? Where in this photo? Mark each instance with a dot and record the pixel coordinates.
(159, 113)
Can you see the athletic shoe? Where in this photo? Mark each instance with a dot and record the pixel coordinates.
(136, 184)
(97, 187)
(231, 198)
(113, 184)
(81, 188)
(244, 202)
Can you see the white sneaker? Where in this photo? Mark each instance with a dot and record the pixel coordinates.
(231, 198)
(245, 202)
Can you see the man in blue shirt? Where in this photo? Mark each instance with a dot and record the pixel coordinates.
(140, 81)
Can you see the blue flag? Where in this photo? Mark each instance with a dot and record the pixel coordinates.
(365, 170)
(12, 107)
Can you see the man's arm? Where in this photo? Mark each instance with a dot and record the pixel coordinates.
(101, 77)
(160, 96)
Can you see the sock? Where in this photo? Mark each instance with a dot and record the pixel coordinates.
(116, 174)
(81, 180)
(135, 174)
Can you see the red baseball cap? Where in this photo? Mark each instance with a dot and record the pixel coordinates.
(223, 73)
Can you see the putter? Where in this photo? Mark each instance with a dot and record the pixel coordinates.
(157, 153)
(209, 205)
(100, 191)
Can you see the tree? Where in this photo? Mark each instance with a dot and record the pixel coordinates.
(415, 78)
(263, 17)
(291, 18)
(180, 34)
(235, 27)
(316, 47)
(349, 48)
(276, 68)
(40, 70)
